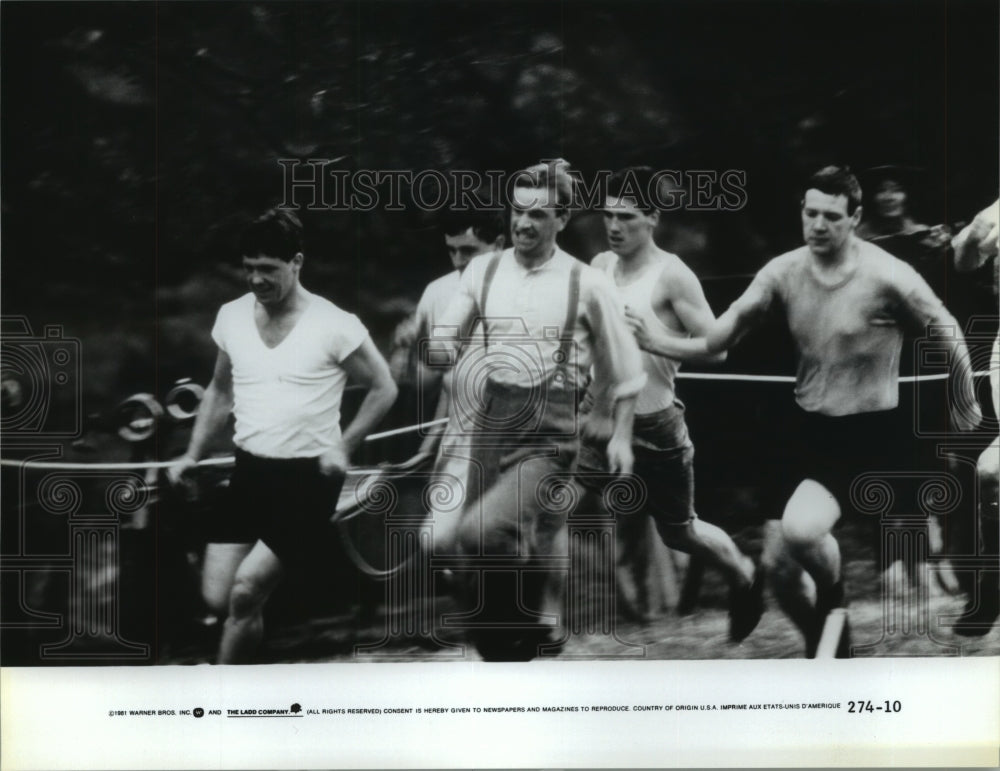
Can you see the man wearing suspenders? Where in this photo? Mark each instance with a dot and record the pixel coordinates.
(547, 319)
(665, 306)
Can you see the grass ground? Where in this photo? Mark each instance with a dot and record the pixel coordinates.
(921, 630)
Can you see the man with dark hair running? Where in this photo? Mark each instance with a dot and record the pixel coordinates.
(547, 319)
(665, 306)
(284, 356)
(467, 235)
(847, 303)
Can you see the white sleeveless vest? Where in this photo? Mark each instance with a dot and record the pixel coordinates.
(658, 393)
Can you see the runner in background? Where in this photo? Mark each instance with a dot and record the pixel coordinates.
(974, 246)
(664, 305)
(467, 235)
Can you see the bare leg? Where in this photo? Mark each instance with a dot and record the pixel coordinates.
(806, 525)
(256, 578)
(983, 606)
(793, 588)
(709, 544)
(218, 573)
(637, 592)
(712, 544)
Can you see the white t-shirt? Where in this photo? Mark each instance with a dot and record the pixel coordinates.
(287, 398)
(434, 302)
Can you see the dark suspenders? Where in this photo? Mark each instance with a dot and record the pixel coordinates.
(566, 338)
(491, 271)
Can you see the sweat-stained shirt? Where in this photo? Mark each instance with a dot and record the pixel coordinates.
(848, 334)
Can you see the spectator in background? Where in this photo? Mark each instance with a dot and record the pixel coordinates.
(890, 223)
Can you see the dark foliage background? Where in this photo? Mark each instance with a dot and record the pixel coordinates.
(137, 137)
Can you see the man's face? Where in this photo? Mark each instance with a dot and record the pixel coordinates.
(629, 228)
(826, 225)
(464, 246)
(535, 221)
(890, 199)
(271, 278)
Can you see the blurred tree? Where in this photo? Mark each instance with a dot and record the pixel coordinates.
(138, 137)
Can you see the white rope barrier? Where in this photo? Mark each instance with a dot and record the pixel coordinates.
(67, 466)
(406, 429)
(229, 459)
(791, 378)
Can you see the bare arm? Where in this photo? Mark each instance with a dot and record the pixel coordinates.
(213, 412)
(963, 405)
(432, 439)
(740, 318)
(367, 367)
(445, 341)
(979, 240)
(682, 292)
(922, 308)
(620, 457)
(618, 374)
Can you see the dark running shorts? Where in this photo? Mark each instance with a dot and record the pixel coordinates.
(286, 503)
(664, 462)
(851, 453)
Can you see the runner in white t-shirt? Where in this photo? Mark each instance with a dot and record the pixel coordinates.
(284, 357)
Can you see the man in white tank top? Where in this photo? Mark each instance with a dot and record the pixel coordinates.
(284, 357)
(665, 306)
